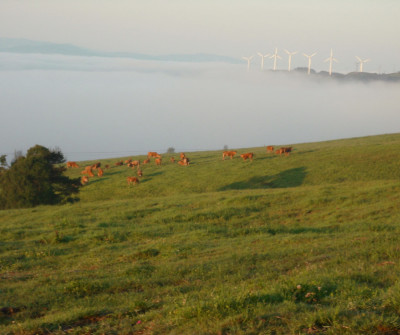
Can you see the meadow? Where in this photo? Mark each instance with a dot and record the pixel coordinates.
(304, 244)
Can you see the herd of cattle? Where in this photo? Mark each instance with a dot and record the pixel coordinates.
(184, 161)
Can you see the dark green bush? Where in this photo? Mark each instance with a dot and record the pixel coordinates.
(35, 179)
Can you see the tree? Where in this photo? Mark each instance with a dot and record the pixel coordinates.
(171, 150)
(3, 163)
(36, 179)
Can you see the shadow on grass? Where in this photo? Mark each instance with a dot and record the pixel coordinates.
(98, 179)
(289, 178)
(110, 173)
(158, 173)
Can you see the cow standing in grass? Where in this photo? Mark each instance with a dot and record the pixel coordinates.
(184, 162)
(230, 154)
(88, 170)
(247, 156)
(72, 165)
(132, 180)
(285, 151)
(84, 180)
(153, 154)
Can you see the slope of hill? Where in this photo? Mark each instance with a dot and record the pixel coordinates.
(301, 244)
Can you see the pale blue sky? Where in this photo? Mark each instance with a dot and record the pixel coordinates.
(367, 28)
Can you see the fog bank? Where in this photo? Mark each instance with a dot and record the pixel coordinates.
(97, 108)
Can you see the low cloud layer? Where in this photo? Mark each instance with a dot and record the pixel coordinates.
(96, 108)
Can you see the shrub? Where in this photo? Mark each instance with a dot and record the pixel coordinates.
(36, 179)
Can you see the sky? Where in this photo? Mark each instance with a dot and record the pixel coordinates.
(94, 107)
(365, 28)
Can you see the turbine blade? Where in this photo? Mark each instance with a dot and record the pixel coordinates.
(359, 59)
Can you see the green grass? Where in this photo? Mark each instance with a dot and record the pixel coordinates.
(308, 243)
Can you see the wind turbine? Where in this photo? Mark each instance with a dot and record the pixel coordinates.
(331, 60)
(309, 61)
(262, 59)
(361, 62)
(275, 56)
(248, 61)
(290, 57)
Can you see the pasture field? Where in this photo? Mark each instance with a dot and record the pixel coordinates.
(305, 244)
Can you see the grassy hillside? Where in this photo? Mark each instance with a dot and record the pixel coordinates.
(305, 244)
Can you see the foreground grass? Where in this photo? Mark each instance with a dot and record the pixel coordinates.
(283, 245)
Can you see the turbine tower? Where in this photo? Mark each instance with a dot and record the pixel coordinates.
(331, 60)
(290, 57)
(309, 61)
(262, 59)
(361, 62)
(248, 59)
(275, 56)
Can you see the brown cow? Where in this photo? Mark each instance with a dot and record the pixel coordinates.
(96, 166)
(182, 155)
(84, 180)
(99, 172)
(247, 156)
(153, 154)
(146, 161)
(72, 165)
(270, 148)
(139, 173)
(172, 160)
(184, 162)
(158, 161)
(88, 170)
(120, 163)
(228, 154)
(106, 166)
(132, 180)
(284, 150)
(287, 149)
(128, 161)
(135, 163)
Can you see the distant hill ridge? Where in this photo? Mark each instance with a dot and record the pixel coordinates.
(25, 46)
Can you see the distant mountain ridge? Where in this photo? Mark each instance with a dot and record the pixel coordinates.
(26, 46)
